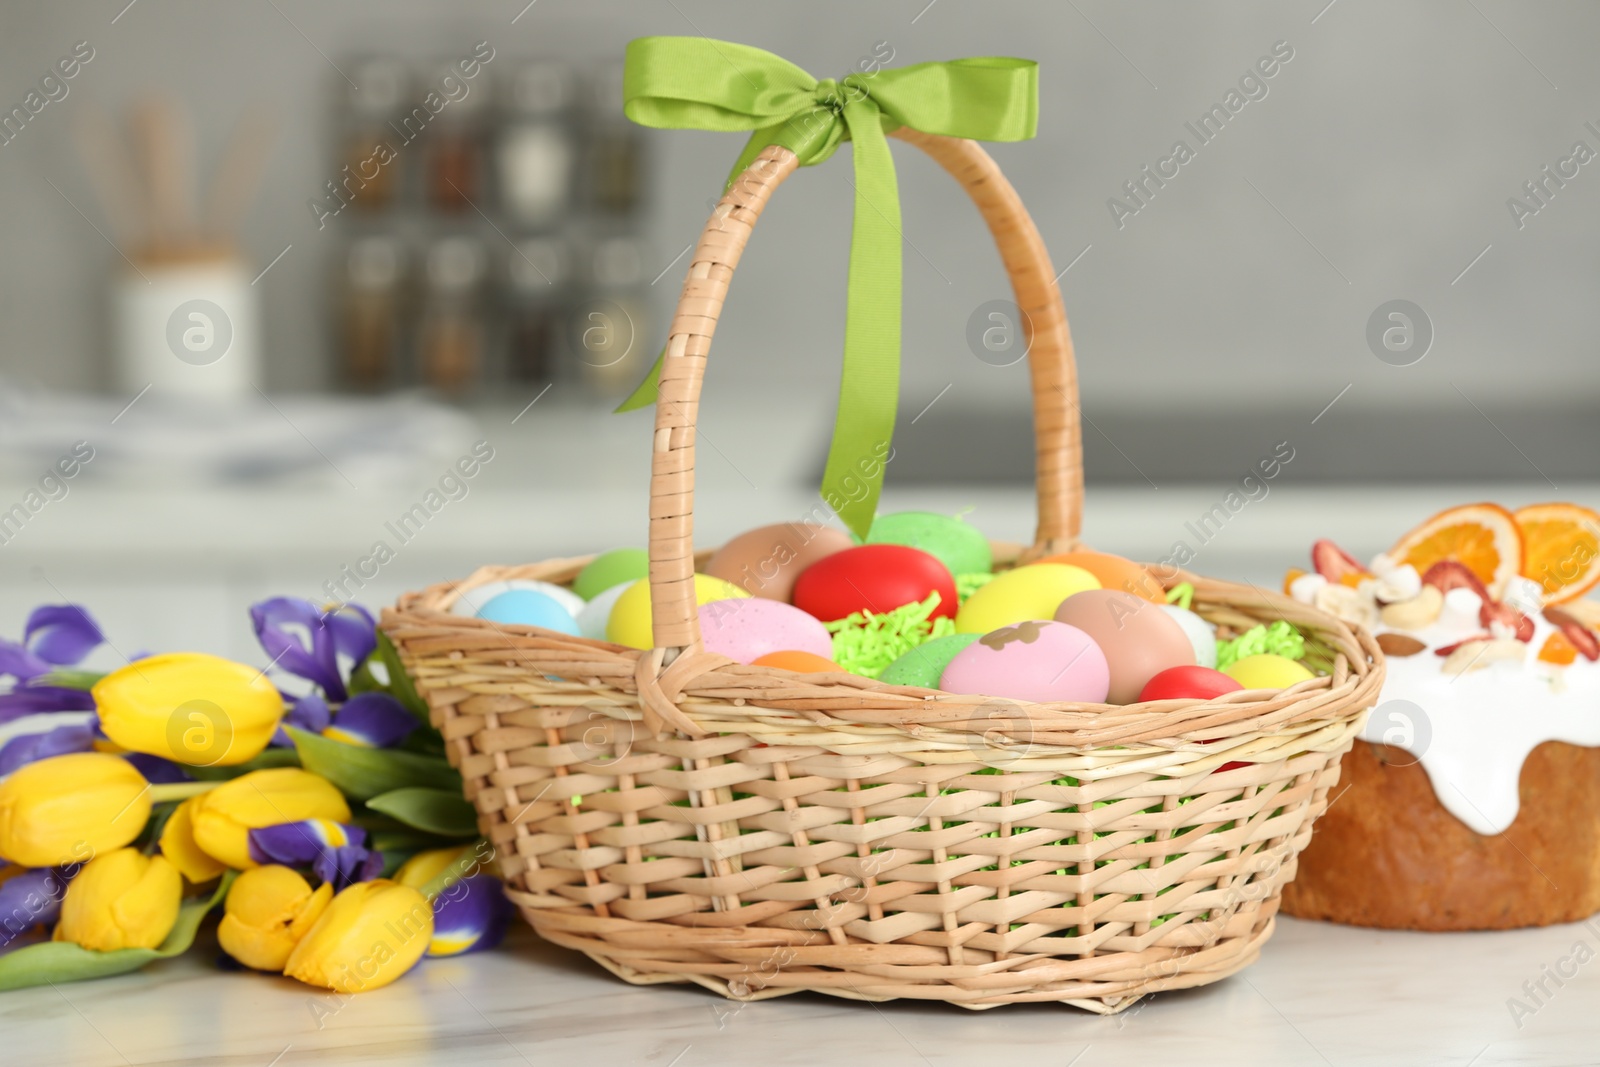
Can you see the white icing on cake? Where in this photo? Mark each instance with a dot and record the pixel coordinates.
(1479, 727)
(1473, 731)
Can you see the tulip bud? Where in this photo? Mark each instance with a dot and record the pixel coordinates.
(269, 909)
(122, 899)
(224, 817)
(190, 707)
(180, 847)
(371, 934)
(424, 867)
(66, 809)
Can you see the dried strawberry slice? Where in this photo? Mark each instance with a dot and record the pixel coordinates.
(1493, 611)
(1581, 637)
(1450, 574)
(1445, 650)
(1335, 564)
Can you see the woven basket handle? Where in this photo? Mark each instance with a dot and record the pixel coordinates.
(1059, 448)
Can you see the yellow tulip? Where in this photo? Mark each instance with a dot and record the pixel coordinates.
(190, 707)
(179, 846)
(123, 899)
(424, 867)
(269, 909)
(224, 817)
(66, 809)
(371, 934)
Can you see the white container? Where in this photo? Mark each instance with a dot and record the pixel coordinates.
(188, 328)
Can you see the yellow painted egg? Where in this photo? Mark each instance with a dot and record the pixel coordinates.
(1267, 671)
(629, 623)
(1028, 593)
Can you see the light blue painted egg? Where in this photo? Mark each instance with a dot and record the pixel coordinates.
(525, 607)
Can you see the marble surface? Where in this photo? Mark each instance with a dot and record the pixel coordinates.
(1320, 995)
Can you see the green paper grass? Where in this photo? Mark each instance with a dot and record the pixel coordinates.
(967, 584)
(865, 643)
(1280, 638)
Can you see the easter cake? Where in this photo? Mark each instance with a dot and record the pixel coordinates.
(1472, 800)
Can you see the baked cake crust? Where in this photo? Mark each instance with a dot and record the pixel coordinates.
(1388, 854)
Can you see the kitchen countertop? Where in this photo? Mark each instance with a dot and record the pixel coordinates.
(1320, 995)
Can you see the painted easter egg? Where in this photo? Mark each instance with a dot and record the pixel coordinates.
(1033, 660)
(765, 562)
(528, 607)
(876, 578)
(1267, 671)
(789, 659)
(960, 547)
(1114, 572)
(1138, 638)
(1201, 635)
(610, 569)
(630, 619)
(748, 628)
(1196, 682)
(597, 612)
(925, 664)
(471, 601)
(1031, 592)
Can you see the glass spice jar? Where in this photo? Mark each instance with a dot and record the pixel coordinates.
(452, 326)
(537, 151)
(373, 279)
(540, 273)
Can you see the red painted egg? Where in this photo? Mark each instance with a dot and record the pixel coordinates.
(875, 578)
(1198, 683)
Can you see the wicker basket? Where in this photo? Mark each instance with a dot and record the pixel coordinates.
(680, 817)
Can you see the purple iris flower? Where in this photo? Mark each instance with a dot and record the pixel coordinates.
(29, 899)
(58, 741)
(157, 770)
(308, 642)
(469, 916)
(56, 635)
(335, 852)
(309, 713)
(372, 720)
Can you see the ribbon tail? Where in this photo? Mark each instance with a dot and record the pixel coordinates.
(869, 385)
(644, 394)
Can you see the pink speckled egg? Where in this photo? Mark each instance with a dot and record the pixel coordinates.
(1040, 661)
(750, 627)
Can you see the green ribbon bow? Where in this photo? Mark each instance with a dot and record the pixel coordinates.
(699, 83)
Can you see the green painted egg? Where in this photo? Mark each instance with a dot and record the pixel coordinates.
(924, 664)
(609, 569)
(958, 546)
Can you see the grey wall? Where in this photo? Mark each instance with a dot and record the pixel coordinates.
(1377, 167)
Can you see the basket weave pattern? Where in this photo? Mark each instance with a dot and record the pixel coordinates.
(680, 817)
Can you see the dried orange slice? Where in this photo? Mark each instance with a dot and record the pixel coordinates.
(1482, 537)
(1562, 549)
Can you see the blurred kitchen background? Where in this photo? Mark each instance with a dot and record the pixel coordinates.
(511, 269)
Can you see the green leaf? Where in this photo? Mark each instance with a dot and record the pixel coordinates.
(435, 811)
(399, 681)
(362, 680)
(363, 772)
(408, 842)
(270, 757)
(69, 678)
(62, 961)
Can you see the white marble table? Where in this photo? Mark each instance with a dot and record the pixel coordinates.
(1320, 995)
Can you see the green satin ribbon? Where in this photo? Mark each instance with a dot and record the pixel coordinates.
(703, 84)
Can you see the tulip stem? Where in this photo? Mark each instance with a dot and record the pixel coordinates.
(179, 790)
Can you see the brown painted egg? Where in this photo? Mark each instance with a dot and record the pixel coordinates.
(766, 561)
(1139, 639)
